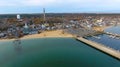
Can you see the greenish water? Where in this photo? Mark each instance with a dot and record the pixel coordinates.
(53, 52)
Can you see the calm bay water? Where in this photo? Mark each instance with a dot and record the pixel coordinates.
(53, 52)
(114, 29)
(107, 40)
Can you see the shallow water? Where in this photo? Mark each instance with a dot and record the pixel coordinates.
(53, 52)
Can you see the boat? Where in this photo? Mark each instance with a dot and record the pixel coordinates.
(96, 37)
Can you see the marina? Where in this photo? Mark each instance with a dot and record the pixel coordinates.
(110, 39)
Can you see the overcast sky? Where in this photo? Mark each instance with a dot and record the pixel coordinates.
(59, 6)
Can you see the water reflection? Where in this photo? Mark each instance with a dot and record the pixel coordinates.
(17, 46)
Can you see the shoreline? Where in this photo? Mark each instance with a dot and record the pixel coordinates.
(45, 34)
(101, 28)
(53, 34)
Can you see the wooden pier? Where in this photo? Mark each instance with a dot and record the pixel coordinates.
(101, 47)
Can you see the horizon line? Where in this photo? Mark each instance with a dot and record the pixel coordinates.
(65, 13)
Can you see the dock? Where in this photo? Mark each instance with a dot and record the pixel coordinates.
(116, 35)
(100, 47)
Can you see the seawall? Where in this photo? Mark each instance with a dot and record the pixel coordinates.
(101, 47)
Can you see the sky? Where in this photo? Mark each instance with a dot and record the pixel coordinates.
(59, 6)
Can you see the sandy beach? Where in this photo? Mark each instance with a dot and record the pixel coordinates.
(101, 28)
(55, 33)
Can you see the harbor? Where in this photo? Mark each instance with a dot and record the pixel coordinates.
(50, 41)
(65, 33)
(110, 39)
(53, 52)
(79, 34)
(58, 44)
(85, 35)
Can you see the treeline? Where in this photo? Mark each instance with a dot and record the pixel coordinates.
(8, 20)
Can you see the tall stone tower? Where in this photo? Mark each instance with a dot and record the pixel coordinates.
(44, 16)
